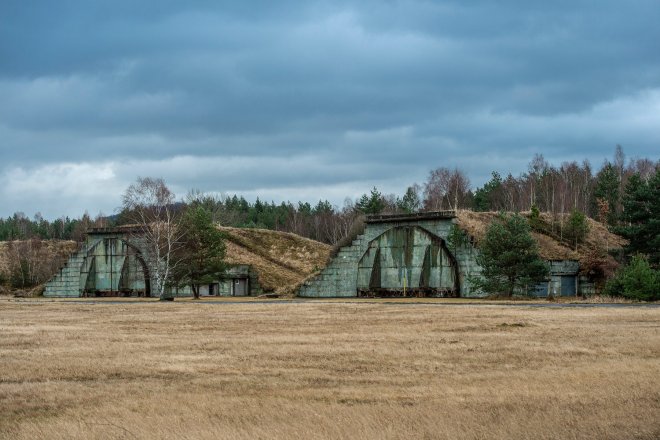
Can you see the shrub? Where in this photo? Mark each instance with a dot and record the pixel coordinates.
(577, 228)
(535, 218)
(636, 281)
(509, 257)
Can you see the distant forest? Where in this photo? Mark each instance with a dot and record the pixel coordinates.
(559, 190)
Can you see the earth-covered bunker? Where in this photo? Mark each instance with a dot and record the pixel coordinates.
(397, 255)
(420, 255)
(116, 262)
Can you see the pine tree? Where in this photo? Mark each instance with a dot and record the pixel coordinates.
(636, 281)
(641, 217)
(201, 257)
(373, 203)
(577, 228)
(484, 198)
(410, 202)
(509, 257)
(535, 218)
(607, 189)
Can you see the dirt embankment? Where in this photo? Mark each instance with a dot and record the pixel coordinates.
(281, 259)
(593, 253)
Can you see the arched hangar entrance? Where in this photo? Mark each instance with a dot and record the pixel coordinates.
(408, 261)
(114, 267)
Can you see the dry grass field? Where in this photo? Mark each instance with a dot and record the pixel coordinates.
(184, 370)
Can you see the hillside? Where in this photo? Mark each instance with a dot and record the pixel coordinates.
(592, 254)
(281, 259)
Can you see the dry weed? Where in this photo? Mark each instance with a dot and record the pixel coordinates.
(316, 370)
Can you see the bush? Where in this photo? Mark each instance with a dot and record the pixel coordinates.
(577, 228)
(508, 255)
(535, 218)
(635, 281)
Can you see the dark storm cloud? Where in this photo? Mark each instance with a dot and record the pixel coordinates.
(359, 93)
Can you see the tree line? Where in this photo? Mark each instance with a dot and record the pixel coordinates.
(556, 189)
(625, 196)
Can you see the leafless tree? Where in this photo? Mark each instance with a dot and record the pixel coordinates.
(446, 188)
(149, 203)
(32, 262)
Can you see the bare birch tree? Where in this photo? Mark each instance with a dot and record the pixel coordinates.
(446, 188)
(149, 203)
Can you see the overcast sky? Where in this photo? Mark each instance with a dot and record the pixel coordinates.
(305, 100)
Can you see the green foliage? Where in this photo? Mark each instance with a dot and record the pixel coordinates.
(410, 202)
(457, 237)
(201, 258)
(20, 227)
(509, 257)
(638, 280)
(373, 203)
(641, 217)
(535, 218)
(607, 189)
(483, 197)
(577, 228)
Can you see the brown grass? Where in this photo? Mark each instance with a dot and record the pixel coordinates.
(281, 259)
(592, 254)
(73, 370)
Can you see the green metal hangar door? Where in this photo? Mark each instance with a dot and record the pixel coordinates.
(408, 261)
(114, 268)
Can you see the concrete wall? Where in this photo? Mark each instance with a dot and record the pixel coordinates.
(564, 280)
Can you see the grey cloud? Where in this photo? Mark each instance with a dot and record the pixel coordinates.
(363, 91)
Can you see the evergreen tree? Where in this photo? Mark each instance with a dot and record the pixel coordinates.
(509, 257)
(535, 218)
(457, 238)
(635, 281)
(201, 257)
(577, 228)
(607, 190)
(373, 203)
(484, 197)
(641, 217)
(410, 202)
